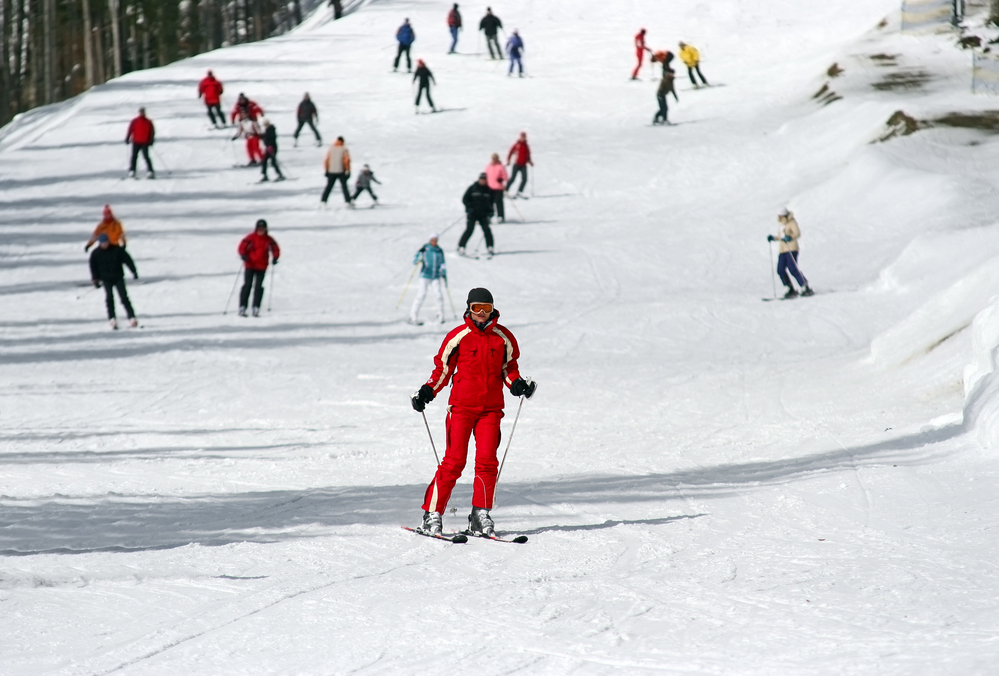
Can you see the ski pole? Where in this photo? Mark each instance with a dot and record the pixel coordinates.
(432, 445)
(234, 283)
(411, 275)
(795, 264)
(773, 275)
(453, 223)
(508, 442)
(453, 311)
(159, 158)
(532, 182)
(270, 296)
(515, 208)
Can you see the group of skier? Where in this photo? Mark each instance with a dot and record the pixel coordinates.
(691, 59)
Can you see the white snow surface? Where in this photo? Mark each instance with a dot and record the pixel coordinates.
(711, 484)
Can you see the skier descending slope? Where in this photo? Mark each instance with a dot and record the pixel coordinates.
(336, 164)
(491, 24)
(270, 149)
(640, 49)
(142, 135)
(515, 48)
(405, 36)
(425, 77)
(109, 226)
(665, 87)
(211, 89)
(479, 358)
(454, 25)
(478, 201)
(106, 269)
(432, 274)
(788, 235)
(255, 250)
(520, 153)
(307, 115)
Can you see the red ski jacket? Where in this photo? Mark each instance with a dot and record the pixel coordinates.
(523, 152)
(478, 363)
(251, 110)
(211, 89)
(141, 131)
(254, 249)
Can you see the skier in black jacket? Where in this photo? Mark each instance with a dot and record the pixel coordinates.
(308, 115)
(478, 201)
(425, 77)
(490, 24)
(106, 268)
(270, 149)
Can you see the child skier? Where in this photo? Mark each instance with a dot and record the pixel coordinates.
(363, 183)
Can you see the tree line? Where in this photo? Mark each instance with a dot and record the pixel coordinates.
(55, 49)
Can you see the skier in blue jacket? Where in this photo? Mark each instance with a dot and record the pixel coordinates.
(434, 270)
(515, 48)
(406, 37)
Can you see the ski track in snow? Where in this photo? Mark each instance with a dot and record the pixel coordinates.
(710, 484)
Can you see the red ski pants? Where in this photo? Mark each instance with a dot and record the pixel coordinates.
(462, 422)
(253, 149)
(639, 53)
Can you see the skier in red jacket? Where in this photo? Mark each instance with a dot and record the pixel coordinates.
(255, 250)
(520, 152)
(141, 135)
(640, 50)
(479, 359)
(211, 90)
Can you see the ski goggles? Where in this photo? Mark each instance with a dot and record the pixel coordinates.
(476, 308)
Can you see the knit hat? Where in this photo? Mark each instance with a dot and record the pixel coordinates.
(434, 235)
(479, 296)
(482, 176)
(107, 212)
(262, 224)
(102, 238)
(783, 213)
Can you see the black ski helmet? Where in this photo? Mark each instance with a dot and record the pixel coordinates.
(261, 223)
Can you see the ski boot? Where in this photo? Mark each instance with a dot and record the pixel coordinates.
(791, 293)
(113, 323)
(480, 523)
(242, 311)
(432, 523)
(133, 322)
(256, 312)
(489, 252)
(807, 291)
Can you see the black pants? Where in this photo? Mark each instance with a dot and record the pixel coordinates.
(359, 190)
(272, 158)
(109, 287)
(470, 227)
(498, 202)
(302, 123)
(690, 72)
(254, 279)
(518, 169)
(493, 40)
(144, 149)
(420, 94)
(663, 111)
(331, 180)
(213, 110)
(403, 49)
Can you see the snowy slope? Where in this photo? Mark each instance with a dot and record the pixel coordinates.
(710, 484)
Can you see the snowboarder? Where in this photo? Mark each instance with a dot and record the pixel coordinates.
(106, 263)
(142, 135)
(665, 87)
(496, 178)
(432, 273)
(454, 25)
(640, 49)
(522, 154)
(515, 48)
(336, 164)
(255, 250)
(270, 149)
(478, 358)
(490, 24)
(406, 36)
(211, 90)
(788, 234)
(692, 59)
(307, 115)
(478, 201)
(425, 77)
(363, 183)
(109, 227)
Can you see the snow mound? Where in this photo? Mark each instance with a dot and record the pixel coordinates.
(981, 384)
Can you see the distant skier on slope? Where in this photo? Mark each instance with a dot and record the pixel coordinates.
(425, 77)
(256, 249)
(307, 115)
(433, 272)
(478, 358)
(106, 263)
(521, 154)
(665, 87)
(496, 178)
(478, 201)
(405, 36)
(788, 234)
(245, 109)
(270, 149)
(246, 112)
(363, 183)
(454, 25)
(515, 49)
(211, 89)
(142, 135)
(640, 49)
(110, 227)
(692, 59)
(490, 24)
(336, 164)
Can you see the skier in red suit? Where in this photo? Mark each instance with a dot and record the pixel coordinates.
(640, 50)
(211, 90)
(479, 359)
(141, 134)
(255, 250)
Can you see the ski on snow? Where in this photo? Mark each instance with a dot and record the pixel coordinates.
(456, 538)
(520, 539)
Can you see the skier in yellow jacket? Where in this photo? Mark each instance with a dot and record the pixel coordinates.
(692, 59)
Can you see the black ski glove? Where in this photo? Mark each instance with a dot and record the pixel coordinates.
(771, 238)
(97, 284)
(274, 262)
(522, 387)
(421, 398)
(135, 275)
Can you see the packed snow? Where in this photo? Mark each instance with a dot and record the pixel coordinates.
(710, 484)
